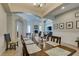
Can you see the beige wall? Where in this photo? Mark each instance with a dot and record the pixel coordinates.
(3, 28)
(21, 28)
(68, 35)
(12, 25)
(7, 25)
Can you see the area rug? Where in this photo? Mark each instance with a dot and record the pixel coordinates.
(33, 48)
(57, 52)
(52, 43)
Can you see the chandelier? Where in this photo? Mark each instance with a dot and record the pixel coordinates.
(39, 4)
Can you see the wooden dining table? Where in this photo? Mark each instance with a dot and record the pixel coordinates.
(39, 50)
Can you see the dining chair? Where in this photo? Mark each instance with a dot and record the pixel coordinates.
(24, 48)
(9, 43)
(56, 39)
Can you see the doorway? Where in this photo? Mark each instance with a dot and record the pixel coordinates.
(48, 26)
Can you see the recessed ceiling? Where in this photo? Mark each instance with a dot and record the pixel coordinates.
(65, 7)
(29, 7)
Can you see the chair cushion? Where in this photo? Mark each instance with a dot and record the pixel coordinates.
(52, 43)
(12, 42)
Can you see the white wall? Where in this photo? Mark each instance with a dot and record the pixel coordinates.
(31, 24)
(68, 35)
(16, 20)
(20, 28)
(3, 28)
(11, 25)
(7, 25)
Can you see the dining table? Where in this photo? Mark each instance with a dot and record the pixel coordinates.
(47, 48)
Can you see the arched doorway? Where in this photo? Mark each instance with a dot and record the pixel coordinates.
(48, 26)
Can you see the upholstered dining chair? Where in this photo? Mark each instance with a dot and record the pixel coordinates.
(9, 43)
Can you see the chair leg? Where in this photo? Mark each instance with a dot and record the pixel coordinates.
(10, 46)
(13, 46)
(7, 46)
(17, 44)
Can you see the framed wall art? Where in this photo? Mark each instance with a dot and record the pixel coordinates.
(36, 27)
(61, 25)
(69, 25)
(77, 24)
(55, 26)
(77, 14)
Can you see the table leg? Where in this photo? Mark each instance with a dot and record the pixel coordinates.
(17, 43)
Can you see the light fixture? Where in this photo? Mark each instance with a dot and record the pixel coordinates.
(39, 4)
(62, 7)
(34, 4)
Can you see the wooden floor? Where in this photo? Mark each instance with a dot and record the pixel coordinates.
(13, 52)
(18, 52)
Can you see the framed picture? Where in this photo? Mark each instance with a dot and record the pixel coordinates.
(35, 26)
(77, 14)
(77, 24)
(69, 25)
(55, 26)
(61, 25)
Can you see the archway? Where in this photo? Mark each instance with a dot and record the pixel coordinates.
(30, 22)
(48, 26)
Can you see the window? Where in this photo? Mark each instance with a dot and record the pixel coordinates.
(28, 29)
(17, 28)
(40, 28)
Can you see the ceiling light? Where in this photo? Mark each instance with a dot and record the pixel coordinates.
(34, 4)
(62, 7)
(39, 4)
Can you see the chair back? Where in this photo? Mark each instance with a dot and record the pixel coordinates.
(56, 39)
(22, 38)
(7, 37)
(24, 49)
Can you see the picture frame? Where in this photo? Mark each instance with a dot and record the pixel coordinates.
(77, 24)
(35, 26)
(55, 26)
(77, 14)
(69, 25)
(61, 25)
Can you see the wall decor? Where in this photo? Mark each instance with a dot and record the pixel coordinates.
(77, 14)
(61, 25)
(55, 26)
(36, 27)
(69, 25)
(77, 24)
